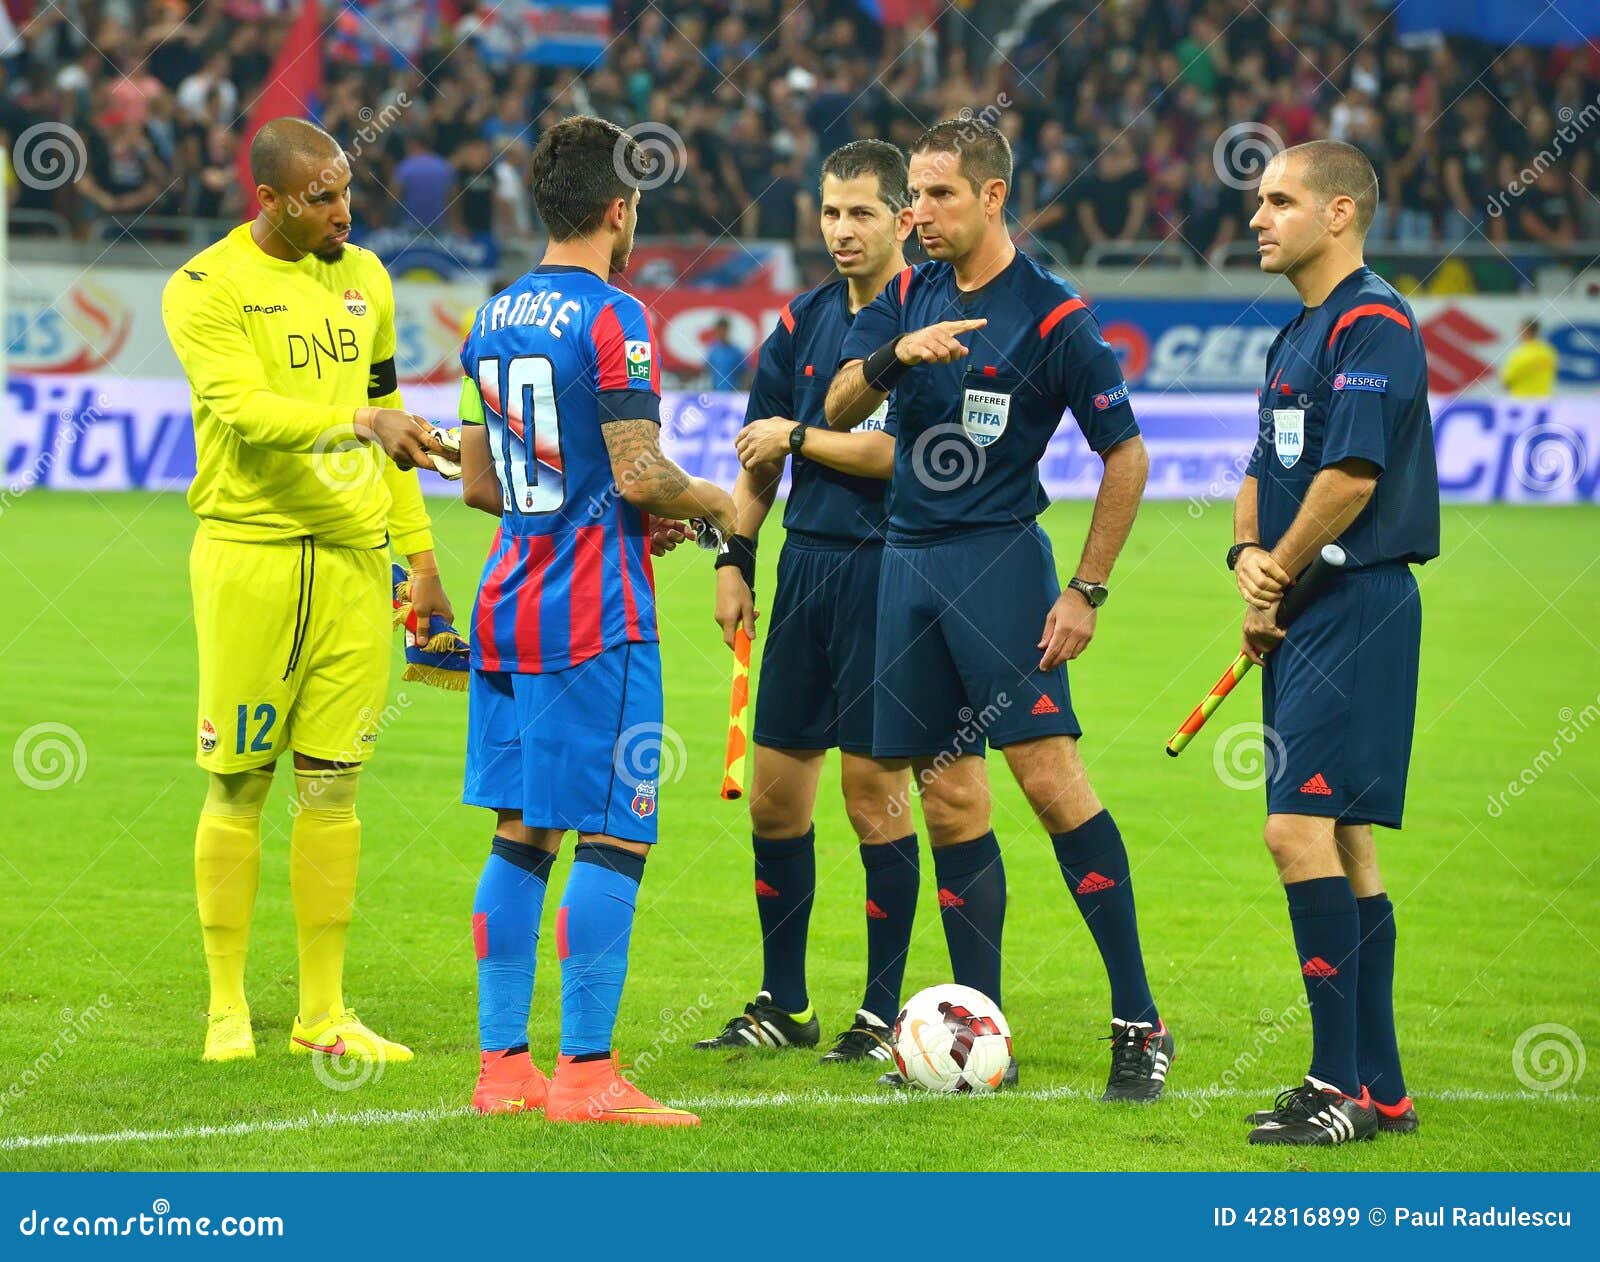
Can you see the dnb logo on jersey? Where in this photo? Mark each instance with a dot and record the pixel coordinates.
(644, 799)
(984, 414)
(638, 356)
(1288, 434)
(354, 303)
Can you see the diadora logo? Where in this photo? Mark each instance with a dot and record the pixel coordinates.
(255, 308)
(1111, 398)
(1375, 382)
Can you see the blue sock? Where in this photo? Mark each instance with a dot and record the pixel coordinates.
(1095, 864)
(893, 871)
(505, 931)
(1377, 1051)
(592, 931)
(972, 906)
(786, 884)
(1327, 936)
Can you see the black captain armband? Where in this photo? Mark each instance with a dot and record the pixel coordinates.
(740, 550)
(381, 379)
(882, 369)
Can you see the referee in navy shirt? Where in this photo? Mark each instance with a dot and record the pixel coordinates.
(1344, 454)
(984, 351)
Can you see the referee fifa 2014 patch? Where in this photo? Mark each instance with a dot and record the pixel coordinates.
(1377, 383)
(984, 414)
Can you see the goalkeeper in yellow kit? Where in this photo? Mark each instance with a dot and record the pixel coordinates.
(304, 481)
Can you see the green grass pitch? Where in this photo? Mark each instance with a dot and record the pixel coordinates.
(102, 983)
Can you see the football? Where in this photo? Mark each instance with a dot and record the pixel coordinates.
(952, 1039)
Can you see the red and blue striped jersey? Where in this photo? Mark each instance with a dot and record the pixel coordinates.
(548, 362)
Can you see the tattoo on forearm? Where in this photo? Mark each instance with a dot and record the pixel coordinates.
(635, 451)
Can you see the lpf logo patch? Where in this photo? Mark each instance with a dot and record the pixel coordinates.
(638, 355)
(984, 415)
(878, 419)
(208, 736)
(644, 799)
(354, 303)
(1288, 435)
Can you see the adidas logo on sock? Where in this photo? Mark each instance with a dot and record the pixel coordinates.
(1317, 786)
(874, 912)
(1094, 883)
(949, 899)
(1316, 966)
(1045, 706)
(763, 890)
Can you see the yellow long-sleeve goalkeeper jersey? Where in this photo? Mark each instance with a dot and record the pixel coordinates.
(279, 356)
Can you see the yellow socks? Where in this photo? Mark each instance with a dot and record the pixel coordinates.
(324, 852)
(227, 870)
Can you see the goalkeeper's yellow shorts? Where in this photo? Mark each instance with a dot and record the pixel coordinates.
(295, 644)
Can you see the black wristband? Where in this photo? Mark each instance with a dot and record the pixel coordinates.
(740, 550)
(1237, 551)
(883, 368)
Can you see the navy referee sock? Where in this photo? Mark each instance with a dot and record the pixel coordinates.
(1327, 937)
(786, 885)
(1095, 864)
(1377, 1051)
(972, 906)
(893, 872)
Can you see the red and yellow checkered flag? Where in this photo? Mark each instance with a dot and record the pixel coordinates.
(738, 719)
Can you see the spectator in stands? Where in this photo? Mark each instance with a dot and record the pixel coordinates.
(1115, 198)
(1530, 368)
(424, 184)
(124, 177)
(1546, 213)
(725, 362)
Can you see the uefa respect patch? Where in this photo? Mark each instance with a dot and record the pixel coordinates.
(1374, 382)
(1111, 398)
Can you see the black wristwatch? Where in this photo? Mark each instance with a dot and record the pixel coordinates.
(797, 437)
(1094, 593)
(1235, 552)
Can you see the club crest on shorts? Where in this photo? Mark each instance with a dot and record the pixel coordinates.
(354, 303)
(984, 414)
(208, 736)
(1288, 435)
(644, 799)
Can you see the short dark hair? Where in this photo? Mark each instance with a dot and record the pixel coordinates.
(872, 157)
(281, 142)
(1531, 326)
(580, 166)
(982, 151)
(1336, 169)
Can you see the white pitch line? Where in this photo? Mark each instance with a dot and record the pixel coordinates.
(363, 1118)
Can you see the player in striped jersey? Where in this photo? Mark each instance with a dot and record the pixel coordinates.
(562, 405)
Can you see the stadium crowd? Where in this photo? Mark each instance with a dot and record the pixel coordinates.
(1114, 110)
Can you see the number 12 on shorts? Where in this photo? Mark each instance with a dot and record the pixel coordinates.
(265, 716)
